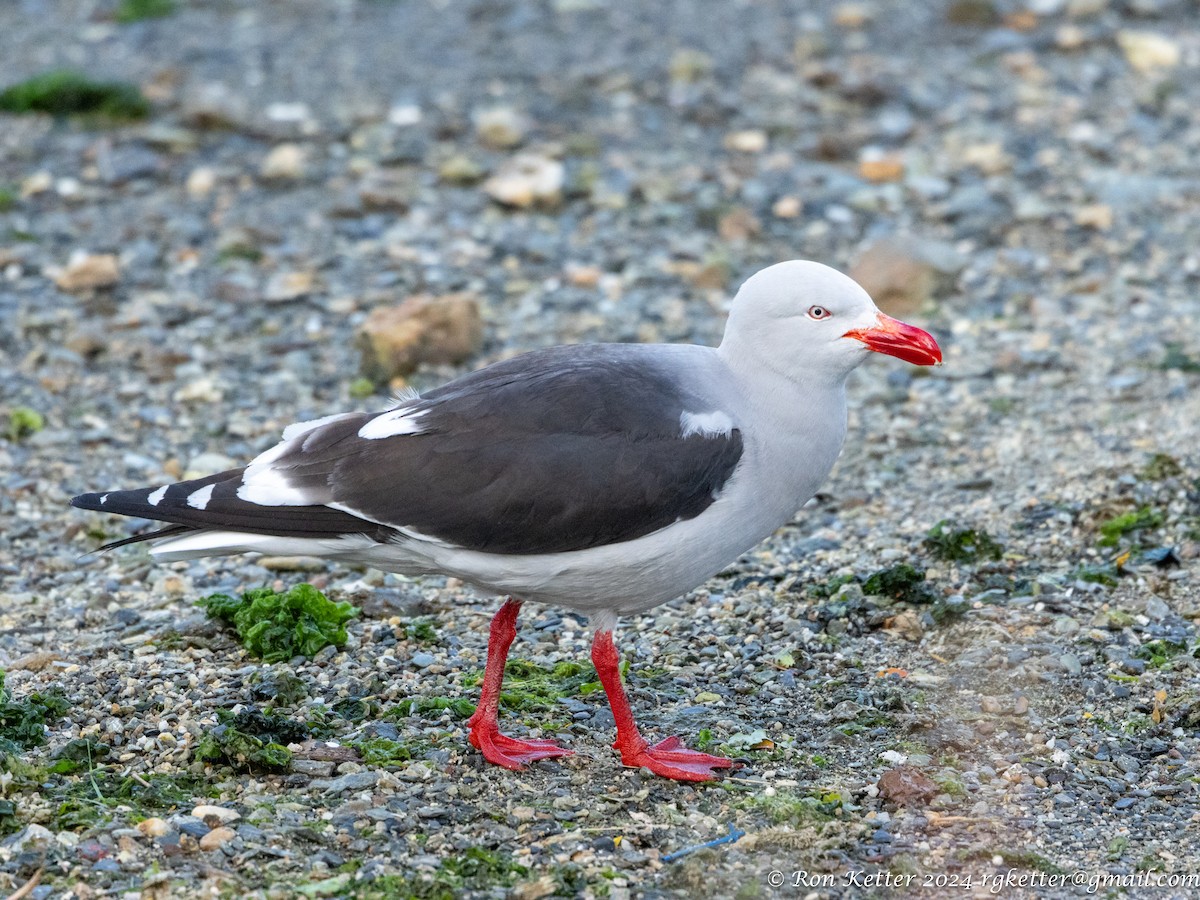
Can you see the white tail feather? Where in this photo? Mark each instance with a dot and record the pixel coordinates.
(198, 544)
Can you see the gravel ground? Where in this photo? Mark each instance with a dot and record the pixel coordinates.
(1030, 716)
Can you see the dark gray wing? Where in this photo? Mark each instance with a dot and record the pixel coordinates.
(556, 450)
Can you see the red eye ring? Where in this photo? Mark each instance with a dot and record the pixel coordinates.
(818, 312)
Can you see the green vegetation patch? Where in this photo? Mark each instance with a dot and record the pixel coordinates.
(900, 582)
(795, 809)
(8, 817)
(81, 754)
(251, 740)
(361, 388)
(529, 687)
(137, 10)
(421, 631)
(460, 707)
(384, 752)
(476, 871)
(1142, 519)
(63, 92)
(240, 250)
(23, 723)
(1159, 653)
(1102, 573)
(8, 198)
(969, 545)
(277, 687)
(1161, 467)
(276, 627)
(102, 796)
(1176, 358)
(22, 422)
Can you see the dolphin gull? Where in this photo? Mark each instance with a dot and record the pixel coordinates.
(606, 478)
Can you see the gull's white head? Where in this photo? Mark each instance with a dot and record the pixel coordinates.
(809, 322)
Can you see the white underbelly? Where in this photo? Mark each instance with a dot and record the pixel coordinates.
(627, 577)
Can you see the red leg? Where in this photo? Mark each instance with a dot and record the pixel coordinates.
(498, 748)
(668, 758)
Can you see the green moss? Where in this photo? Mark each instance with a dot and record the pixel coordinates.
(8, 817)
(81, 754)
(421, 630)
(1161, 467)
(961, 544)
(385, 752)
(22, 422)
(1002, 406)
(103, 796)
(65, 93)
(461, 707)
(277, 687)
(900, 582)
(320, 721)
(23, 723)
(251, 740)
(1118, 619)
(1103, 573)
(794, 809)
(137, 10)
(1151, 863)
(240, 250)
(8, 198)
(529, 687)
(356, 709)
(276, 627)
(362, 388)
(951, 785)
(1141, 519)
(1137, 724)
(1116, 848)
(475, 872)
(1176, 358)
(1159, 653)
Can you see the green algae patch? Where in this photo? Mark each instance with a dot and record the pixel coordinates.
(251, 740)
(23, 422)
(277, 626)
(900, 582)
(23, 722)
(129, 11)
(432, 707)
(63, 92)
(1143, 519)
(950, 544)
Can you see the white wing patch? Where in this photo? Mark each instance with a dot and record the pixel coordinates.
(103, 499)
(265, 485)
(706, 424)
(396, 422)
(155, 498)
(199, 499)
(301, 428)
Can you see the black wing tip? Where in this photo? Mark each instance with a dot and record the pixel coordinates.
(87, 501)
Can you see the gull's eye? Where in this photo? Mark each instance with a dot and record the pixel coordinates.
(818, 312)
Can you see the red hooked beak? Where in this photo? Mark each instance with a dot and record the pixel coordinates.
(906, 342)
